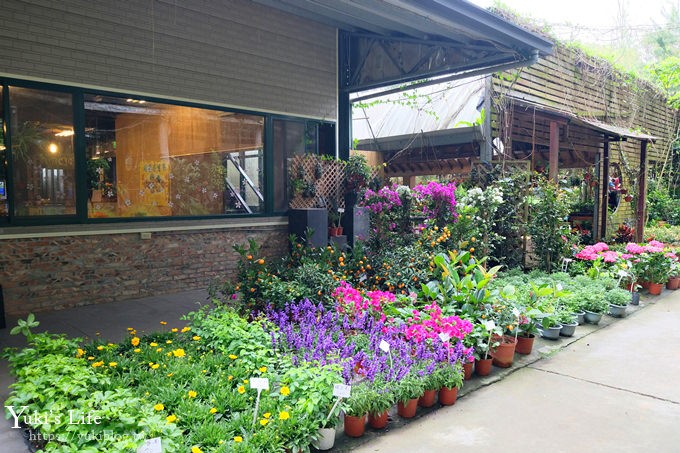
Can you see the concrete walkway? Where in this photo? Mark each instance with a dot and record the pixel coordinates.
(614, 387)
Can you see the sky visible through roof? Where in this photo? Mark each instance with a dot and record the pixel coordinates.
(592, 21)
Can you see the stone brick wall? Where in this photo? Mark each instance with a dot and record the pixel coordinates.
(47, 273)
(227, 52)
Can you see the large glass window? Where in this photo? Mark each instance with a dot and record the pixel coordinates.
(4, 204)
(43, 162)
(154, 159)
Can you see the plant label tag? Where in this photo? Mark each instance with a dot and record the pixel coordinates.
(444, 337)
(259, 383)
(151, 446)
(384, 346)
(342, 390)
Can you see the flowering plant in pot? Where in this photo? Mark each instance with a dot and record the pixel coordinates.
(407, 390)
(381, 400)
(356, 407)
(448, 378)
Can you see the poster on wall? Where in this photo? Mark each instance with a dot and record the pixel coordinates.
(154, 177)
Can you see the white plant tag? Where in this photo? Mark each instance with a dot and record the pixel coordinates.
(342, 390)
(384, 346)
(151, 446)
(259, 383)
(444, 337)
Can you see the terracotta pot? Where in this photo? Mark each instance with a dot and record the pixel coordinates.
(407, 410)
(447, 396)
(378, 421)
(427, 400)
(525, 344)
(467, 369)
(483, 366)
(504, 353)
(338, 231)
(655, 289)
(355, 426)
(673, 283)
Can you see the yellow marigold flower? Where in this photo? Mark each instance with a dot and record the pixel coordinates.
(159, 407)
(186, 329)
(230, 377)
(241, 389)
(110, 344)
(283, 415)
(174, 329)
(163, 323)
(171, 418)
(137, 350)
(169, 354)
(134, 341)
(267, 414)
(159, 349)
(245, 381)
(100, 348)
(192, 394)
(97, 364)
(263, 369)
(80, 353)
(233, 357)
(195, 449)
(168, 342)
(130, 328)
(153, 344)
(195, 338)
(113, 364)
(264, 422)
(238, 439)
(285, 391)
(170, 374)
(90, 358)
(155, 366)
(213, 410)
(178, 352)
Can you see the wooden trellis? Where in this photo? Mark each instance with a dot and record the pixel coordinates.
(316, 182)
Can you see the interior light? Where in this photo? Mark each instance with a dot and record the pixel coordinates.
(52, 147)
(65, 133)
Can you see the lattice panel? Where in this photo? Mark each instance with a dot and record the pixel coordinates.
(315, 182)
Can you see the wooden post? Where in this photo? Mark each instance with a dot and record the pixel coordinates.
(642, 189)
(605, 189)
(554, 150)
(409, 181)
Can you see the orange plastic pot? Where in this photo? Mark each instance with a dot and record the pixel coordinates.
(407, 410)
(378, 421)
(428, 398)
(448, 396)
(355, 426)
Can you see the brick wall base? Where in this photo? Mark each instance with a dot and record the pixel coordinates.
(40, 274)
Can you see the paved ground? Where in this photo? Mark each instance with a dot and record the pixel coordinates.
(615, 387)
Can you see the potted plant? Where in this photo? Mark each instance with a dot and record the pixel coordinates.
(448, 379)
(550, 326)
(657, 268)
(406, 392)
(483, 335)
(427, 399)
(618, 300)
(594, 304)
(571, 304)
(355, 408)
(335, 219)
(568, 321)
(381, 400)
(674, 275)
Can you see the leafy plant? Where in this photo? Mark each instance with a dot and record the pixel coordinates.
(617, 296)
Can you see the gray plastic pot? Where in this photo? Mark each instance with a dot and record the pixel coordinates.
(617, 311)
(551, 333)
(579, 315)
(592, 317)
(635, 298)
(568, 329)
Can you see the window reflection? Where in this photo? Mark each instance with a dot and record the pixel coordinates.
(154, 159)
(42, 152)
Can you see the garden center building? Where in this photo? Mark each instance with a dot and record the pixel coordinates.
(142, 139)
